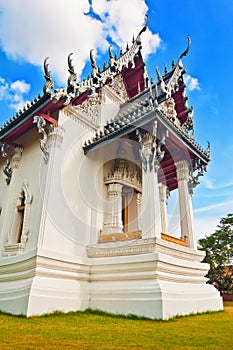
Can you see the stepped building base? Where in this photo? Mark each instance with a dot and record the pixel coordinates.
(152, 278)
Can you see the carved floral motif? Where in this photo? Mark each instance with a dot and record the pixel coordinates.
(125, 174)
(168, 107)
(90, 109)
(118, 87)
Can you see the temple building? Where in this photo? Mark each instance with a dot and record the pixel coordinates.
(85, 174)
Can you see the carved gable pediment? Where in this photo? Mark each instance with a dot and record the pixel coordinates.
(168, 107)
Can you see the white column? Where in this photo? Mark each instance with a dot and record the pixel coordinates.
(113, 221)
(151, 214)
(185, 203)
(139, 210)
(163, 206)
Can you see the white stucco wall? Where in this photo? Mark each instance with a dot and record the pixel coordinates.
(66, 212)
(30, 171)
(72, 213)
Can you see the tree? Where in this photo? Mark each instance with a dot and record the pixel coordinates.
(219, 254)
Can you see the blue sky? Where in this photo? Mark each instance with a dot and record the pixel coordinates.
(33, 30)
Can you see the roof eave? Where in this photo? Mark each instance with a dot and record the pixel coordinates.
(144, 119)
(25, 116)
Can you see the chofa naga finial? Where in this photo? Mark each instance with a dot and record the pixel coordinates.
(93, 64)
(49, 84)
(145, 25)
(187, 48)
(95, 71)
(138, 38)
(72, 77)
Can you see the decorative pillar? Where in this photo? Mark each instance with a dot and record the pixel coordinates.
(185, 203)
(139, 210)
(163, 206)
(113, 221)
(151, 155)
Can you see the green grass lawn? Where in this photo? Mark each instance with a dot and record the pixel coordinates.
(92, 331)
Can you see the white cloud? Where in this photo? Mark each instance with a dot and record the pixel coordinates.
(14, 93)
(20, 86)
(191, 83)
(209, 184)
(210, 208)
(4, 87)
(33, 30)
(122, 27)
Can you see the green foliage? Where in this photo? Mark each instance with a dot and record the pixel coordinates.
(219, 254)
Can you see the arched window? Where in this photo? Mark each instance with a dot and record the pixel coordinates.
(18, 235)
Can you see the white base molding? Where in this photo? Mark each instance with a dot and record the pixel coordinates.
(42, 282)
(157, 279)
(152, 278)
(13, 249)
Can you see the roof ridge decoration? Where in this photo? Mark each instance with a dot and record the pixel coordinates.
(75, 89)
(172, 86)
(99, 78)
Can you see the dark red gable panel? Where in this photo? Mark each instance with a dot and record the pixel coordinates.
(180, 104)
(134, 77)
